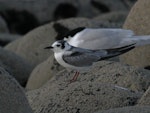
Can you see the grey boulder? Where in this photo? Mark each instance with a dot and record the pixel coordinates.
(12, 96)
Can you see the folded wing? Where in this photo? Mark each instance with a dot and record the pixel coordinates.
(83, 57)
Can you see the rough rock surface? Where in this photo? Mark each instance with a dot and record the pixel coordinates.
(138, 21)
(145, 100)
(30, 47)
(125, 76)
(133, 109)
(12, 96)
(84, 97)
(135, 79)
(96, 90)
(15, 65)
(43, 73)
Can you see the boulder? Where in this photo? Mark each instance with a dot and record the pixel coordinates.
(12, 96)
(117, 18)
(138, 20)
(123, 76)
(3, 26)
(107, 85)
(126, 76)
(31, 46)
(109, 6)
(6, 38)
(145, 99)
(15, 65)
(131, 109)
(43, 73)
(84, 97)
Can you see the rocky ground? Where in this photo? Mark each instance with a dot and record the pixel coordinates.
(31, 81)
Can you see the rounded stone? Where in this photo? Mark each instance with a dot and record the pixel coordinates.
(12, 96)
(138, 20)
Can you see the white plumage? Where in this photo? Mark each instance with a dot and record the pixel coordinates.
(106, 38)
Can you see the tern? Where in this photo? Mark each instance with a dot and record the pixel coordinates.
(81, 47)
(80, 59)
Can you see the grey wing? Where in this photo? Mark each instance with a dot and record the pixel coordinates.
(81, 59)
(84, 57)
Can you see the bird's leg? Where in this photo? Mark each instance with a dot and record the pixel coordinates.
(75, 76)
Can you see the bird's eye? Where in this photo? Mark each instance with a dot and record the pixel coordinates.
(58, 45)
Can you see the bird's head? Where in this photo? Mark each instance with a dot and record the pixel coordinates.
(59, 46)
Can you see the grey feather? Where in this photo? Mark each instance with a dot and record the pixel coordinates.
(83, 57)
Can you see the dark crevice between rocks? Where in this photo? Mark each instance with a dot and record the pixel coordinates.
(147, 67)
(63, 31)
(65, 10)
(8, 70)
(78, 111)
(3, 43)
(74, 32)
(100, 6)
(132, 101)
(19, 22)
(1, 72)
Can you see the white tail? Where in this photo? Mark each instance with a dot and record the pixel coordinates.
(139, 40)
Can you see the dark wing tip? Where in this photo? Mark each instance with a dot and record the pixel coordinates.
(122, 48)
(118, 51)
